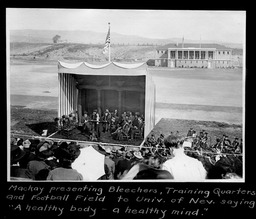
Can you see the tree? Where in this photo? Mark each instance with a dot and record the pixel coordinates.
(56, 38)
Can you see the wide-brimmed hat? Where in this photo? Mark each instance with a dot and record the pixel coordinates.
(138, 154)
(44, 145)
(26, 144)
(69, 153)
(108, 150)
(16, 153)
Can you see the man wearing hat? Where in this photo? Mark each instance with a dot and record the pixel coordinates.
(42, 153)
(16, 156)
(29, 155)
(109, 165)
(190, 132)
(66, 154)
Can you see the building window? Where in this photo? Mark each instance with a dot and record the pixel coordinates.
(185, 54)
(179, 54)
(228, 52)
(219, 52)
(202, 54)
(172, 54)
(196, 54)
(191, 54)
(210, 55)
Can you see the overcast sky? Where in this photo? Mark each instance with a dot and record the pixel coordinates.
(209, 25)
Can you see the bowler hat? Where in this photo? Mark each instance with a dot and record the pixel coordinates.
(16, 153)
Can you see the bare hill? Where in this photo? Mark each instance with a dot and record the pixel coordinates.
(81, 52)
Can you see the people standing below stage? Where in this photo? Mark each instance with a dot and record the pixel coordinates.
(235, 143)
(160, 141)
(190, 132)
(181, 166)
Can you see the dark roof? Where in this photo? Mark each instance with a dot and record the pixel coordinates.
(194, 45)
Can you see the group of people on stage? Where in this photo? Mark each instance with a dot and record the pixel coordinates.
(123, 127)
(159, 158)
(127, 126)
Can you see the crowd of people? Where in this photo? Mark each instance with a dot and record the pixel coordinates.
(159, 157)
(127, 126)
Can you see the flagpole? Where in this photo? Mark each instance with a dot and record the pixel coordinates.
(109, 45)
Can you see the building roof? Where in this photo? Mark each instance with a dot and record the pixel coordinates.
(194, 45)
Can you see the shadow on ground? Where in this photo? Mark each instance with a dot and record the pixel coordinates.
(39, 127)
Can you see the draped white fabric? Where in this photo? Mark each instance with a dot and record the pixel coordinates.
(68, 94)
(112, 68)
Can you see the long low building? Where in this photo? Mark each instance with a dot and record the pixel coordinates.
(193, 56)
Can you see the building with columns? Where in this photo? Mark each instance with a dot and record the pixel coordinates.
(191, 55)
(125, 87)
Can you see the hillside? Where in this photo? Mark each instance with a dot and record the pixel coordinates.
(81, 52)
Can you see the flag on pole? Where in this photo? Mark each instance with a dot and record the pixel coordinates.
(107, 42)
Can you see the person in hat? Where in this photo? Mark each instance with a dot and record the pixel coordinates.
(40, 162)
(93, 136)
(160, 141)
(153, 173)
(181, 166)
(235, 143)
(122, 167)
(135, 127)
(29, 155)
(66, 155)
(106, 119)
(109, 165)
(16, 157)
(190, 132)
(144, 170)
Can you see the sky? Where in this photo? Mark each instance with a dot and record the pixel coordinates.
(162, 24)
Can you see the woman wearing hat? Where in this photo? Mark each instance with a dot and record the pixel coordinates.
(29, 155)
(66, 156)
(40, 162)
(16, 156)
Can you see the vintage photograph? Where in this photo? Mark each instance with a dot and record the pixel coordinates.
(128, 95)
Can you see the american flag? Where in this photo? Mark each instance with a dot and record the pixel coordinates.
(107, 42)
